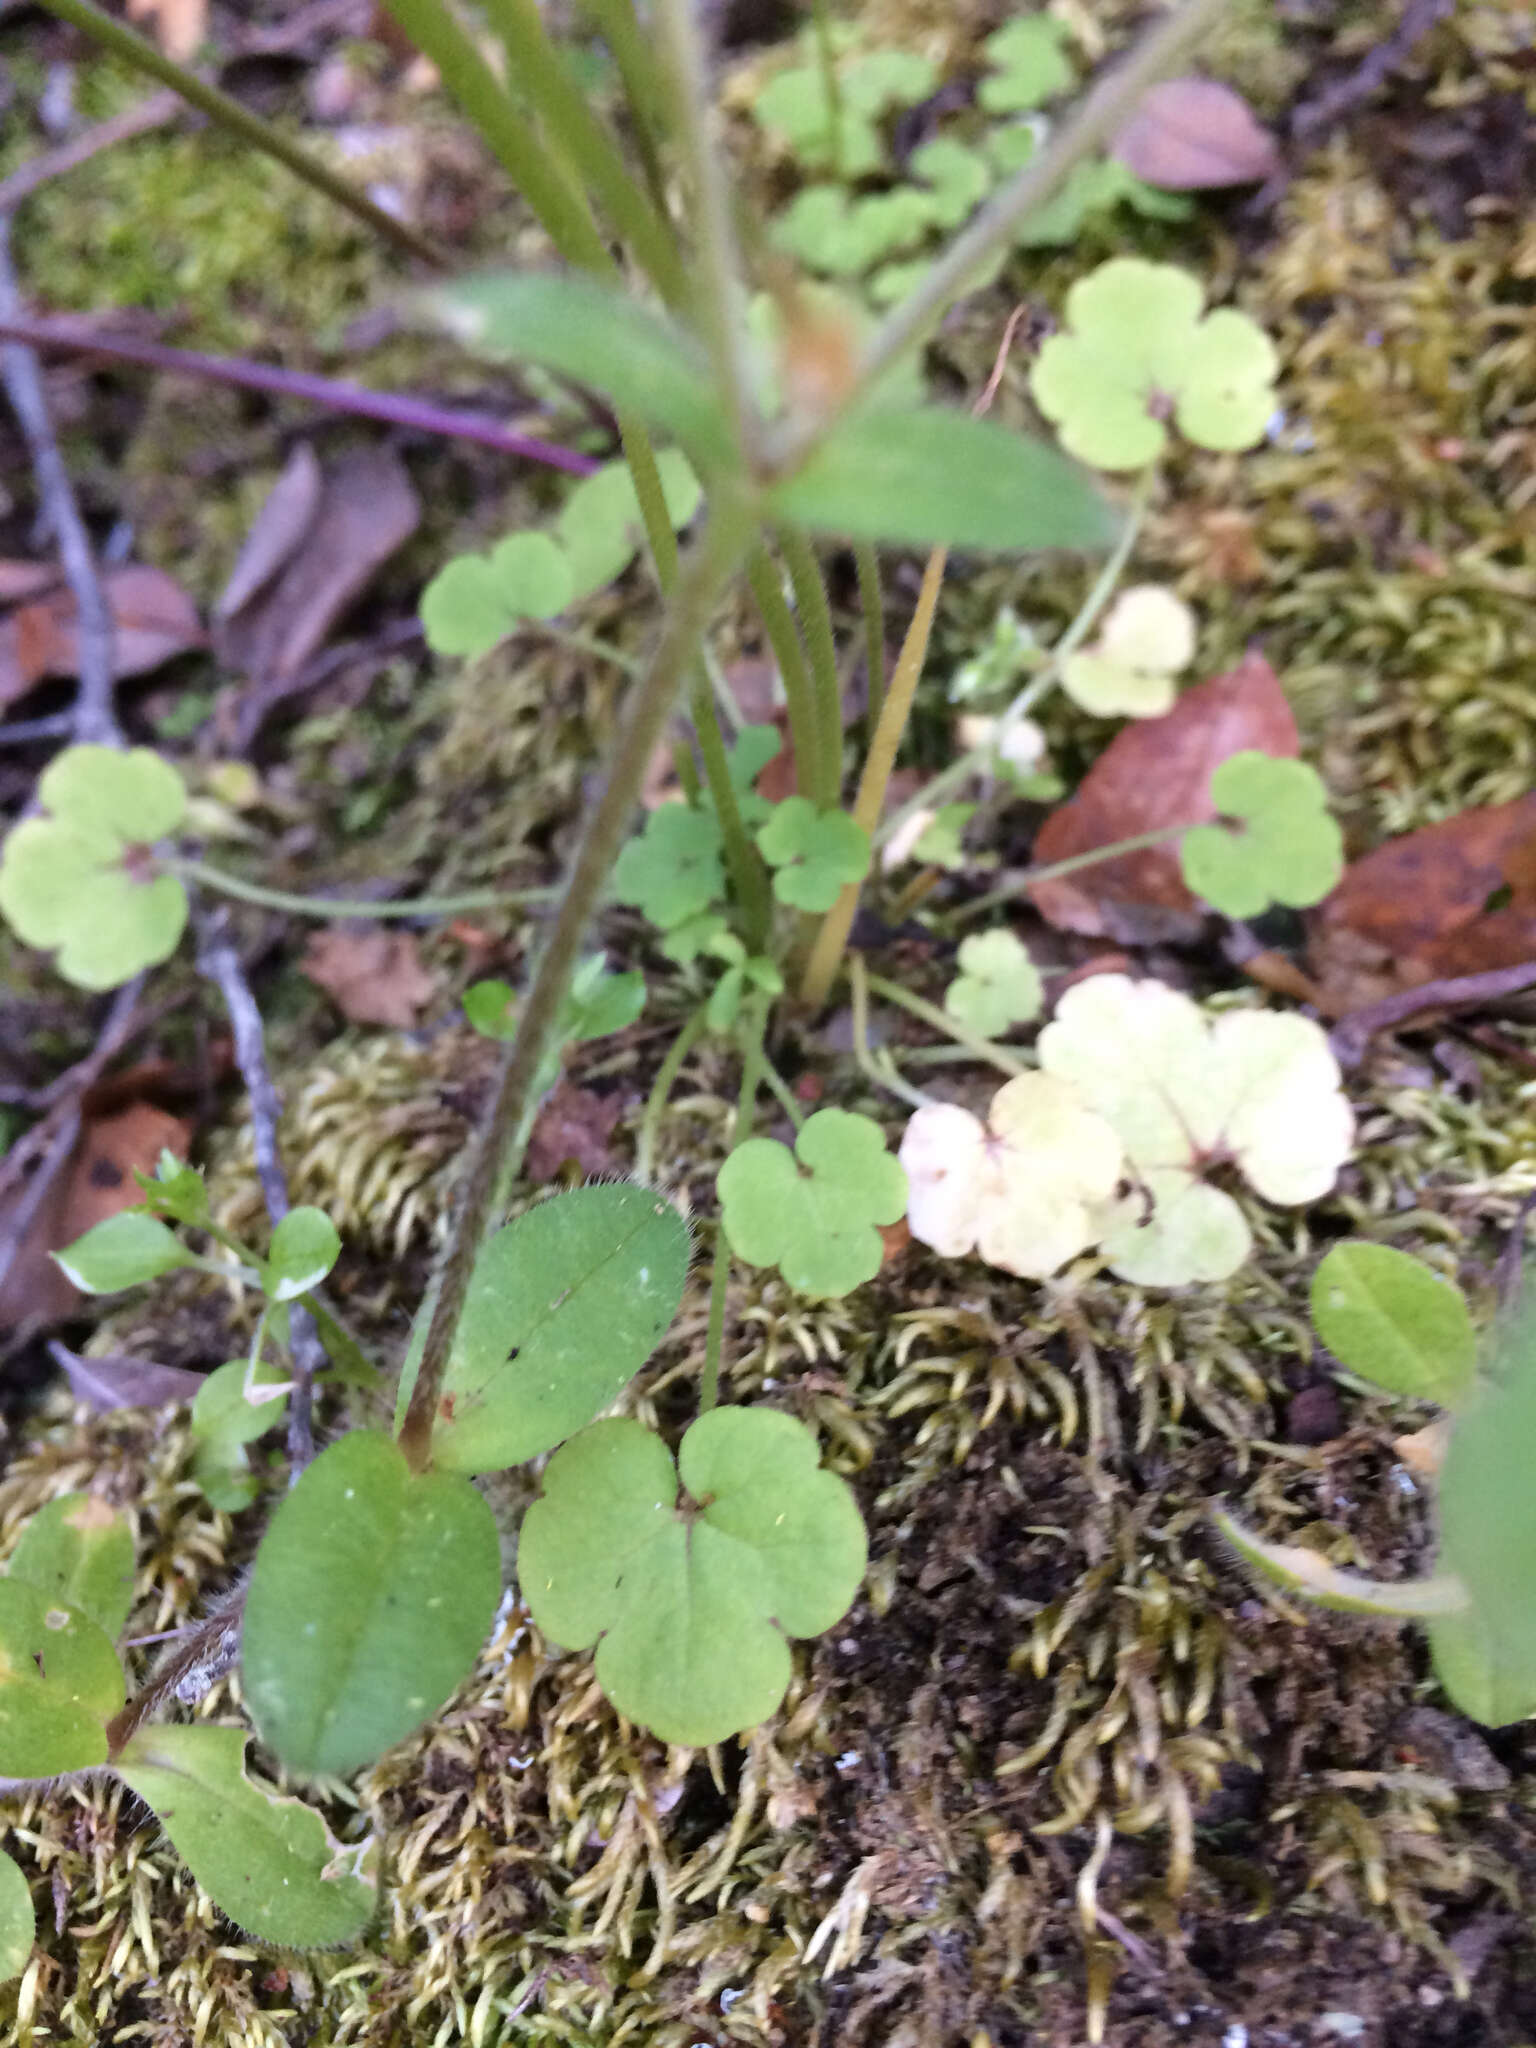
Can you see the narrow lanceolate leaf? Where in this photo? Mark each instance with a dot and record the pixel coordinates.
(18, 1923)
(1392, 1320)
(1487, 1502)
(565, 1305)
(597, 336)
(1303, 1571)
(920, 476)
(79, 1552)
(374, 1587)
(60, 1683)
(1490, 1680)
(266, 1860)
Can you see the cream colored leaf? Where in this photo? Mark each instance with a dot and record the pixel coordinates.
(1146, 641)
(1284, 1118)
(944, 1152)
(1173, 1230)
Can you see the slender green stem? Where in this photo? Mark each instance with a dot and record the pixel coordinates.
(821, 644)
(941, 787)
(558, 204)
(686, 770)
(349, 906)
(978, 1046)
(642, 88)
(543, 75)
(754, 1022)
(782, 1093)
(229, 113)
(660, 534)
(585, 643)
(873, 602)
(718, 300)
(789, 657)
(744, 864)
(884, 1075)
(715, 559)
(1052, 870)
(661, 1091)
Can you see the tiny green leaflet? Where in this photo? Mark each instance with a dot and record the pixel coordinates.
(1393, 1320)
(814, 1212)
(1289, 849)
(691, 1600)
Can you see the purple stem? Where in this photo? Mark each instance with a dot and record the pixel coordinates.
(399, 411)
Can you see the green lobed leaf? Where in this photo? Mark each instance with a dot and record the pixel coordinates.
(1289, 848)
(124, 1251)
(998, 986)
(814, 854)
(814, 1212)
(926, 477)
(475, 601)
(373, 1590)
(18, 1922)
(596, 336)
(1029, 66)
(78, 1551)
(60, 1683)
(673, 870)
(564, 1307)
(599, 1003)
(1394, 1321)
(266, 1860)
(1307, 1572)
(690, 1602)
(303, 1250)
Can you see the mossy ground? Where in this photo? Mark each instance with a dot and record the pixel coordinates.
(1057, 1696)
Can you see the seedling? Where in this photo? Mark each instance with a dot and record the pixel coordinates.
(1137, 350)
(1290, 849)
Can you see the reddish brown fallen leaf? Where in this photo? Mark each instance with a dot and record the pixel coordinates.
(97, 1183)
(117, 1381)
(1416, 909)
(21, 580)
(277, 532)
(575, 1123)
(373, 977)
(1190, 134)
(1156, 772)
(153, 617)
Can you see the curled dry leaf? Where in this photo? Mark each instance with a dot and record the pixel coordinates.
(373, 977)
(1023, 1189)
(152, 616)
(1156, 773)
(1194, 134)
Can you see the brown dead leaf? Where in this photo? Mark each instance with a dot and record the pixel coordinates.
(373, 977)
(1418, 909)
(303, 575)
(1193, 134)
(21, 580)
(180, 25)
(118, 1381)
(575, 1123)
(96, 1184)
(277, 532)
(1156, 772)
(153, 618)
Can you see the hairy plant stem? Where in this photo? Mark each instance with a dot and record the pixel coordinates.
(816, 620)
(867, 560)
(348, 906)
(941, 787)
(138, 51)
(744, 864)
(714, 560)
(821, 966)
(543, 74)
(794, 672)
(642, 88)
(754, 1022)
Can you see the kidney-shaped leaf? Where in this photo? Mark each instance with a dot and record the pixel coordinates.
(921, 476)
(60, 1683)
(78, 1551)
(566, 1304)
(18, 1923)
(595, 336)
(814, 1212)
(691, 1601)
(265, 1859)
(1392, 1320)
(374, 1587)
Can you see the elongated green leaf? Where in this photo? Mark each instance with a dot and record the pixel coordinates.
(566, 1304)
(373, 1589)
(60, 1683)
(597, 336)
(1392, 1320)
(18, 1922)
(691, 1602)
(265, 1859)
(923, 477)
(125, 1251)
(224, 1413)
(1490, 1681)
(79, 1552)
(1304, 1571)
(1487, 1501)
